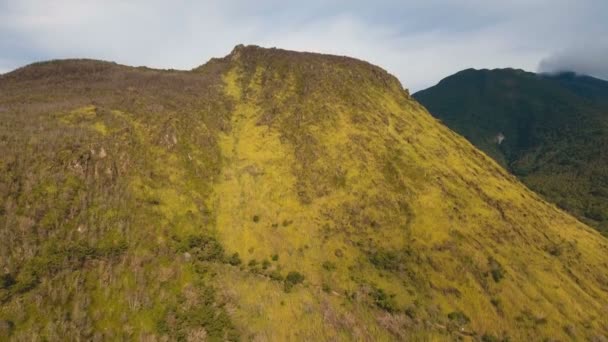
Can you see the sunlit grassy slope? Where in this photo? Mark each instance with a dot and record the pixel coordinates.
(270, 195)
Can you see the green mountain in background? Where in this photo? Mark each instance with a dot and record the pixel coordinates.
(270, 195)
(549, 130)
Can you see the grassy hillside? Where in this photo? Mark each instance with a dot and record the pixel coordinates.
(270, 195)
(555, 128)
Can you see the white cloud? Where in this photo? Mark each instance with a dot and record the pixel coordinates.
(420, 42)
(588, 57)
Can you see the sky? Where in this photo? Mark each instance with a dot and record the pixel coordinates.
(420, 42)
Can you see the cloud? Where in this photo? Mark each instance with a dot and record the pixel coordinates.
(589, 59)
(419, 41)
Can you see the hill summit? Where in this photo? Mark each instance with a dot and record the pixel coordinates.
(270, 195)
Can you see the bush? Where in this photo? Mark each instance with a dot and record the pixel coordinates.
(293, 278)
(256, 218)
(7, 280)
(27, 279)
(275, 257)
(276, 275)
(329, 266)
(459, 317)
(204, 248)
(59, 256)
(495, 269)
(384, 301)
(234, 260)
(489, 338)
(385, 260)
(179, 320)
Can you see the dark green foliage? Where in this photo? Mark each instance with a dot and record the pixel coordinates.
(202, 247)
(6, 281)
(6, 328)
(496, 269)
(234, 259)
(256, 218)
(60, 256)
(275, 257)
(386, 260)
(180, 321)
(329, 266)
(489, 338)
(555, 129)
(410, 312)
(276, 275)
(293, 278)
(459, 317)
(27, 279)
(265, 264)
(383, 300)
(393, 260)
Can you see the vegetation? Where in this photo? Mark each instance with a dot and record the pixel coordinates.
(128, 200)
(293, 278)
(554, 129)
(384, 301)
(459, 318)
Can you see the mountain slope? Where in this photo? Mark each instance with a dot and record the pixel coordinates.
(554, 129)
(270, 195)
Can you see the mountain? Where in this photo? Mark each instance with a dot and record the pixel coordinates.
(549, 130)
(270, 195)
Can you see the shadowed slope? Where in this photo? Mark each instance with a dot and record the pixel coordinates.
(273, 195)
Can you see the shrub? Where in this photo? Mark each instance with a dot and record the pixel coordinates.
(410, 312)
(384, 301)
(276, 275)
(27, 279)
(293, 278)
(265, 264)
(58, 256)
(459, 317)
(275, 257)
(6, 328)
(7, 280)
(385, 260)
(328, 265)
(209, 314)
(256, 218)
(234, 260)
(204, 248)
(496, 269)
(489, 338)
